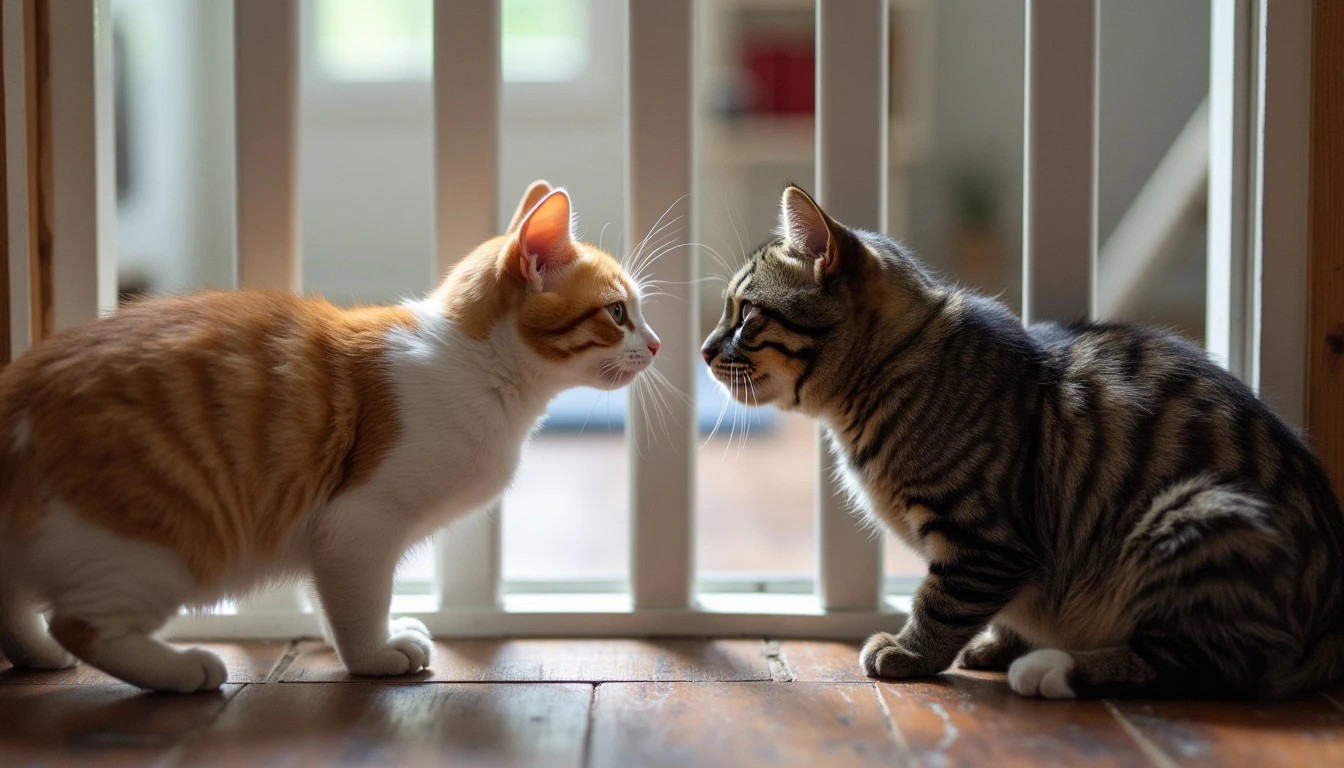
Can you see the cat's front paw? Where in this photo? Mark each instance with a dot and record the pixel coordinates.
(195, 669)
(408, 650)
(883, 656)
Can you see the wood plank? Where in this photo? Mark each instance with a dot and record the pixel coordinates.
(1325, 359)
(249, 662)
(964, 720)
(398, 725)
(1213, 733)
(563, 661)
(709, 724)
(112, 724)
(822, 661)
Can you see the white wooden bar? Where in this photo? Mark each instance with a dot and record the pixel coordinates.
(466, 188)
(84, 202)
(1283, 81)
(662, 454)
(16, 181)
(852, 175)
(266, 83)
(580, 621)
(1230, 288)
(1059, 211)
(266, 124)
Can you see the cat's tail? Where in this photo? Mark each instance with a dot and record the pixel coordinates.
(1324, 665)
(23, 633)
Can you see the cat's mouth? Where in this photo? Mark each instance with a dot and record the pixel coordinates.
(617, 375)
(742, 383)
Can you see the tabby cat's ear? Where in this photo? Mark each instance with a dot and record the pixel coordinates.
(544, 240)
(809, 230)
(535, 191)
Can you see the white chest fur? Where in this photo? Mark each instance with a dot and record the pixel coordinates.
(465, 408)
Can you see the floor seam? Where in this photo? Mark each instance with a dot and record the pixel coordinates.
(1153, 752)
(283, 663)
(174, 754)
(894, 728)
(780, 669)
(587, 757)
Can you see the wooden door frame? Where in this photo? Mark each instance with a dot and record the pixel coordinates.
(1325, 274)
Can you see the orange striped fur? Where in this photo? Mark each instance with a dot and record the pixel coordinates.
(211, 423)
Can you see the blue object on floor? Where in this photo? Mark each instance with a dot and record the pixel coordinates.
(596, 412)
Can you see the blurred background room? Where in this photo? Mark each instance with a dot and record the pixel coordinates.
(366, 192)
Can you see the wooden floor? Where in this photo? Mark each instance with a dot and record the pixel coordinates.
(631, 703)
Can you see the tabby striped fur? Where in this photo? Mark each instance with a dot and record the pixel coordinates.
(1124, 516)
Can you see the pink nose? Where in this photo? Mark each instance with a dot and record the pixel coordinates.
(654, 346)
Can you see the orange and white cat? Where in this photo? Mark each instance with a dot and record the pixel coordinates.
(189, 449)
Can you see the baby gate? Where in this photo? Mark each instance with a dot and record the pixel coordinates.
(1274, 154)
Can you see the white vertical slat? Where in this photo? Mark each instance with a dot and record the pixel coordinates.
(266, 83)
(1230, 264)
(466, 185)
(266, 125)
(1059, 216)
(661, 146)
(852, 170)
(16, 181)
(84, 267)
(1279, 204)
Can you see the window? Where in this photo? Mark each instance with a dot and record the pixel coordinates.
(381, 41)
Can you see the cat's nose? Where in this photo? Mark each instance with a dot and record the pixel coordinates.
(707, 352)
(654, 346)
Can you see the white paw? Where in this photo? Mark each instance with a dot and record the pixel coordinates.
(1043, 673)
(408, 624)
(409, 649)
(198, 670)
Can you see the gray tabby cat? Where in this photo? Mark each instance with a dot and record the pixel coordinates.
(1122, 514)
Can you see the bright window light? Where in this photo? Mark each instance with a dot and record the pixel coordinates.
(380, 41)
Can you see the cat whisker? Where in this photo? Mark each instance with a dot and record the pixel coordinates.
(741, 245)
(600, 235)
(657, 253)
(662, 379)
(643, 244)
(656, 224)
(722, 410)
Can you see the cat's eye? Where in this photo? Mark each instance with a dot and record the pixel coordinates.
(745, 310)
(617, 310)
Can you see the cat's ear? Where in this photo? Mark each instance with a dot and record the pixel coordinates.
(535, 192)
(809, 230)
(544, 240)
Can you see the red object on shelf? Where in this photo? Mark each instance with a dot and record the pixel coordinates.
(783, 75)
(762, 63)
(799, 83)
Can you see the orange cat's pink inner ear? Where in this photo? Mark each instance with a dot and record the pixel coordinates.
(544, 240)
(535, 192)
